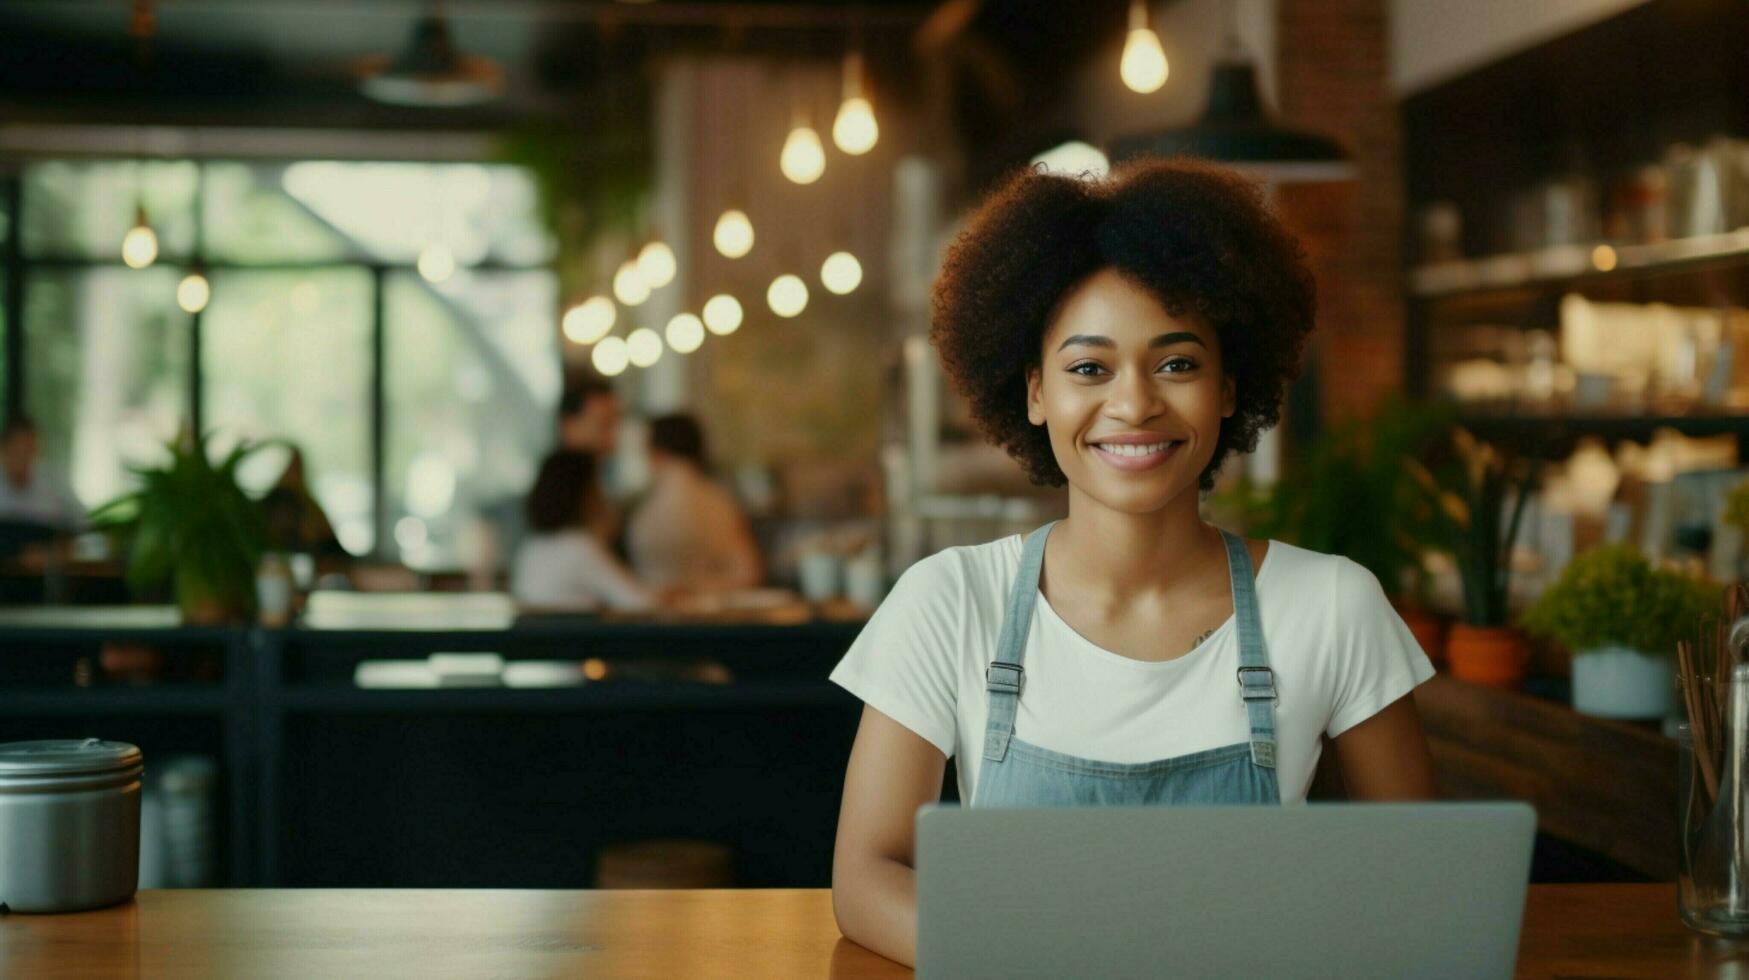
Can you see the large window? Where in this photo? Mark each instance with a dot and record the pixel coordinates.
(311, 268)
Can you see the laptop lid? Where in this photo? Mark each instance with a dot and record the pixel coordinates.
(1321, 890)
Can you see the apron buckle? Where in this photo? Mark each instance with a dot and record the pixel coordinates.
(1262, 689)
(1004, 685)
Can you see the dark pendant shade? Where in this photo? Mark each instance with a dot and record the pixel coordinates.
(429, 71)
(1235, 129)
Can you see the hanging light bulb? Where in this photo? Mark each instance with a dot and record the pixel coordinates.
(656, 264)
(788, 295)
(589, 321)
(610, 356)
(193, 292)
(722, 314)
(841, 273)
(139, 247)
(804, 159)
(629, 286)
(685, 333)
(1144, 67)
(644, 347)
(855, 130)
(733, 236)
(436, 262)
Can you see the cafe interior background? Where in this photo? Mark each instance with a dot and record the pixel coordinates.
(390, 234)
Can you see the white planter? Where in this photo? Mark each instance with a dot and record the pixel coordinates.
(1615, 682)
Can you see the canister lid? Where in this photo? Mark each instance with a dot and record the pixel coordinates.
(68, 756)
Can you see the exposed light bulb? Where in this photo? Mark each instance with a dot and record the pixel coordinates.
(733, 236)
(722, 314)
(841, 273)
(685, 333)
(855, 129)
(629, 286)
(804, 159)
(139, 247)
(436, 262)
(644, 347)
(788, 295)
(589, 321)
(1144, 68)
(656, 264)
(610, 356)
(193, 292)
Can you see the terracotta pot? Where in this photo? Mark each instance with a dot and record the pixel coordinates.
(1429, 629)
(1493, 655)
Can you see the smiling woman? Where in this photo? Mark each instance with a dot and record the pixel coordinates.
(1123, 337)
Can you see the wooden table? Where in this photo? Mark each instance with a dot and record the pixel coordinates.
(1569, 931)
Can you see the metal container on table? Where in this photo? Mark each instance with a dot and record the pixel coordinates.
(69, 824)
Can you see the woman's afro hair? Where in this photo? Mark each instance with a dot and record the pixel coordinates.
(1196, 236)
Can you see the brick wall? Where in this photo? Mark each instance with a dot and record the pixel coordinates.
(1332, 64)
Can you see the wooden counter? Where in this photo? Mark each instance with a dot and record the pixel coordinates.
(1569, 930)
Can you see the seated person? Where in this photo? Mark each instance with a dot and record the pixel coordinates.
(689, 534)
(295, 522)
(29, 493)
(560, 563)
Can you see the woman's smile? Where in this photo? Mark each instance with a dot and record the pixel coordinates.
(1141, 451)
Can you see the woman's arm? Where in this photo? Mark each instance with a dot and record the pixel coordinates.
(892, 772)
(1385, 757)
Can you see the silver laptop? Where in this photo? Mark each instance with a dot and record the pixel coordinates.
(1320, 890)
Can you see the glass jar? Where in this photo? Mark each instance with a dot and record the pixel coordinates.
(1713, 846)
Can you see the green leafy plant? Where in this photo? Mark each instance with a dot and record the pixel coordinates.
(191, 526)
(1350, 494)
(1469, 493)
(1737, 507)
(1613, 596)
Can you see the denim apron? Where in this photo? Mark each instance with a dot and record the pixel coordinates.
(1016, 774)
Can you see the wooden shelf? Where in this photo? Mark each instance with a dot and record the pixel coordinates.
(1569, 263)
(1518, 427)
(1607, 786)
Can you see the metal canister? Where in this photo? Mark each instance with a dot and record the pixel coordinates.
(69, 824)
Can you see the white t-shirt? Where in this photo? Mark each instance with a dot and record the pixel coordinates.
(1339, 651)
(570, 569)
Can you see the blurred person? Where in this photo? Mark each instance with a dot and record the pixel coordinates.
(29, 493)
(295, 522)
(560, 562)
(590, 415)
(589, 418)
(688, 533)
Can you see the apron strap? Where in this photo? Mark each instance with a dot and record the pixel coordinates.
(1005, 676)
(1256, 680)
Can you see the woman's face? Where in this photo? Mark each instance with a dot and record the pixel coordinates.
(1132, 396)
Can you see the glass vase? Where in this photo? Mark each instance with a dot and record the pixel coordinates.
(1713, 876)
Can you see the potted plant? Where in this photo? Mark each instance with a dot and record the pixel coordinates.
(1350, 495)
(1470, 494)
(191, 526)
(1621, 618)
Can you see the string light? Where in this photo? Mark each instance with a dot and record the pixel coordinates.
(685, 333)
(644, 347)
(722, 314)
(788, 295)
(629, 286)
(1144, 68)
(610, 356)
(193, 292)
(589, 321)
(855, 129)
(139, 247)
(656, 264)
(733, 236)
(803, 159)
